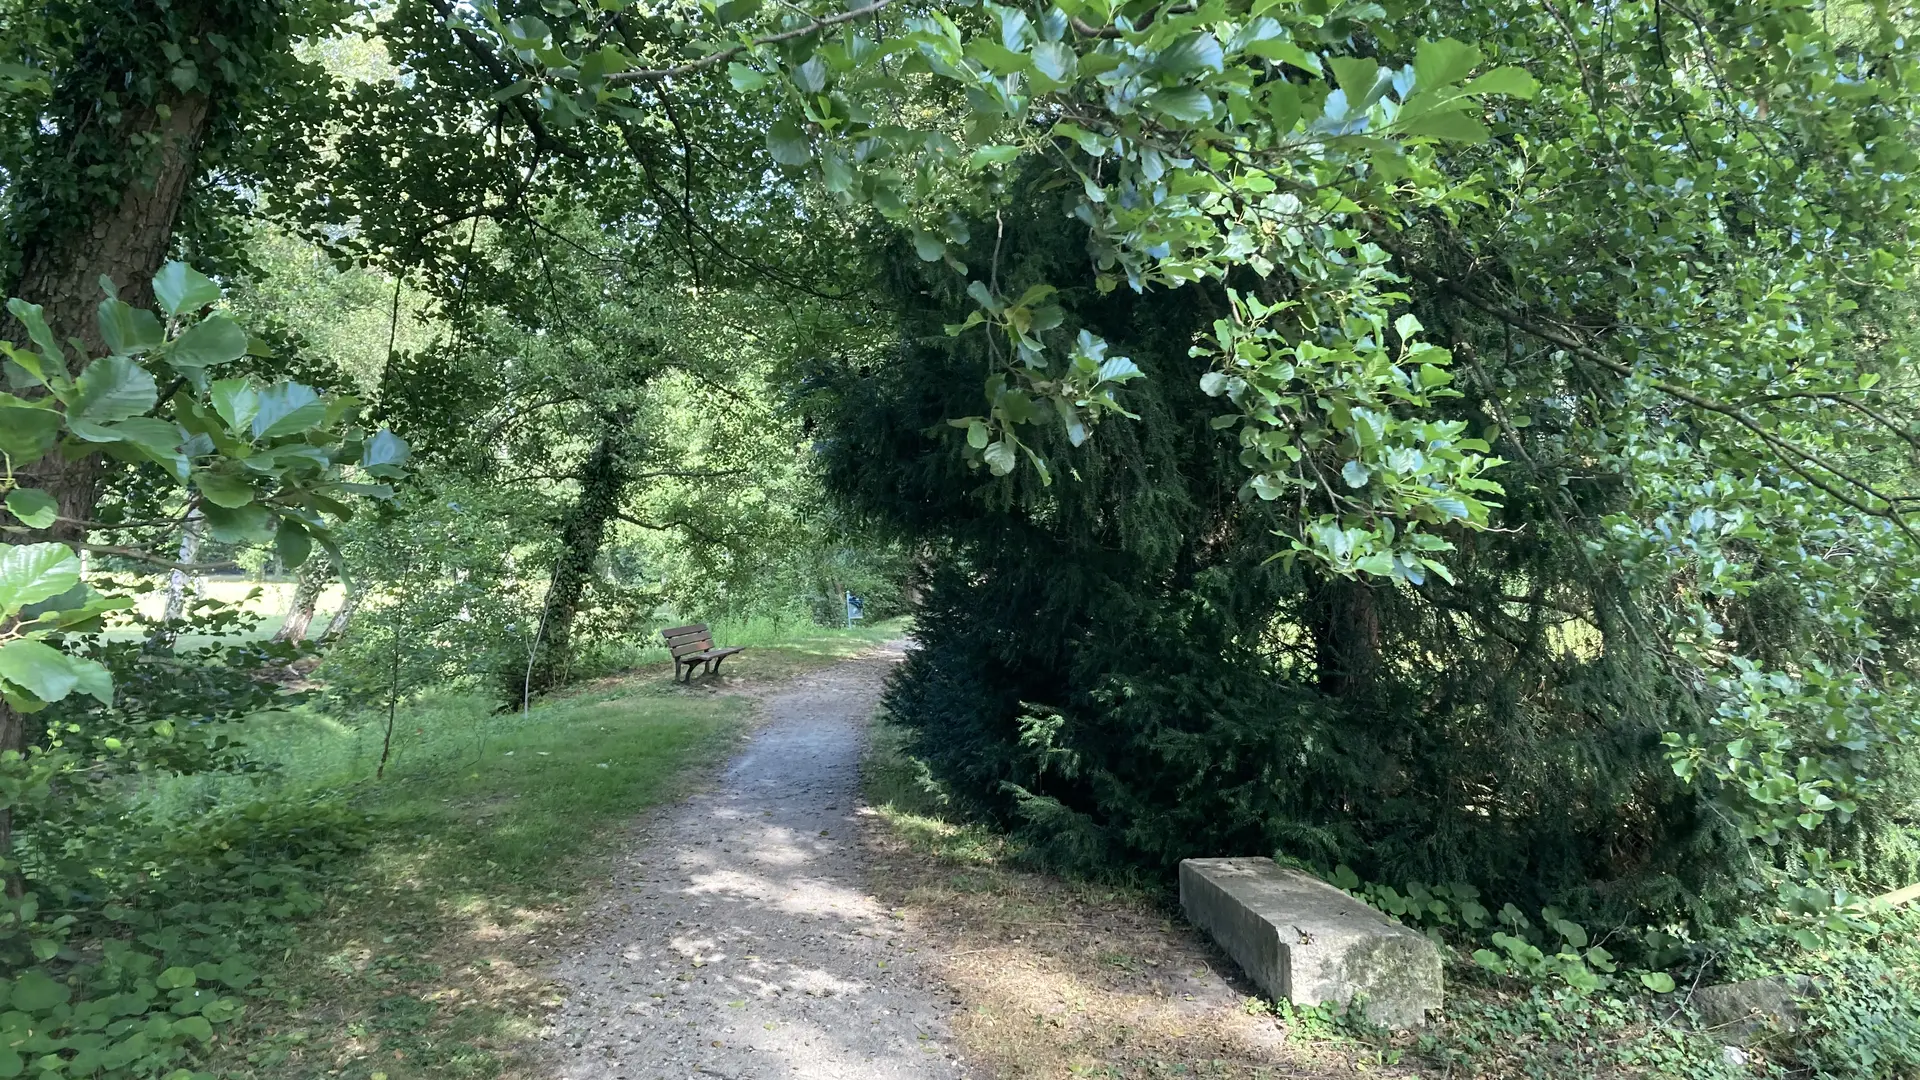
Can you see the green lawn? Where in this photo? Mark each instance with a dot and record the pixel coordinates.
(491, 832)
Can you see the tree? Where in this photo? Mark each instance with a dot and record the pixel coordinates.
(1675, 390)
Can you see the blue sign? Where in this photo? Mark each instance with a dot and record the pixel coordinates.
(856, 608)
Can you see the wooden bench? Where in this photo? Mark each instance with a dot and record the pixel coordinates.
(692, 646)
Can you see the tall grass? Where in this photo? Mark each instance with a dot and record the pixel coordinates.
(445, 730)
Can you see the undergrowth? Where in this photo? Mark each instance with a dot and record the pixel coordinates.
(1538, 995)
(302, 916)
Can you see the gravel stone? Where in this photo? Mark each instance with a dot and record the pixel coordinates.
(739, 940)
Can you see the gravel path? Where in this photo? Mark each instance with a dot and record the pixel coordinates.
(738, 939)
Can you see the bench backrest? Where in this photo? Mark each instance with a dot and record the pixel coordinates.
(682, 640)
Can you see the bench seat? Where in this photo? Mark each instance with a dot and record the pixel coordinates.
(692, 646)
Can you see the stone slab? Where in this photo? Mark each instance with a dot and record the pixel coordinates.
(1744, 1013)
(1304, 941)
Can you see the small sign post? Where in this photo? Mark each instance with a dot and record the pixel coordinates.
(856, 609)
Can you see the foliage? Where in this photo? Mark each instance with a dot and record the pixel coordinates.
(1119, 651)
(1682, 564)
(264, 462)
(1201, 140)
(128, 969)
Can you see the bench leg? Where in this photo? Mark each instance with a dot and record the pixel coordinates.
(716, 665)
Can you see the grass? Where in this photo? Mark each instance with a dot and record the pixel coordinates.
(493, 831)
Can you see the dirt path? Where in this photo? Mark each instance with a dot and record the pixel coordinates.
(738, 939)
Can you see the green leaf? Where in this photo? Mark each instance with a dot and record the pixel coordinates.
(1196, 51)
(788, 143)
(977, 435)
(285, 408)
(26, 434)
(35, 509)
(1574, 934)
(30, 573)
(836, 173)
(11, 1064)
(1119, 369)
(39, 668)
(1657, 981)
(1356, 75)
(37, 992)
(1286, 52)
(236, 401)
(92, 677)
(293, 542)
(1355, 474)
(1443, 63)
(1511, 81)
(127, 329)
(180, 289)
(216, 340)
(250, 524)
(384, 454)
(222, 489)
(997, 58)
(999, 456)
(111, 388)
(513, 90)
(32, 317)
(745, 79)
(527, 32)
(143, 438)
(1181, 103)
(1054, 61)
(175, 978)
(1379, 564)
(811, 77)
(929, 247)
(1452, 126)
(992, 155)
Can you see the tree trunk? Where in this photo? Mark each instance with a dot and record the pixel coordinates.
(127, 243)
(179, 583)
(1346, 629)
(349, 603)
(306, 594)
(125, 238)
(603, 484)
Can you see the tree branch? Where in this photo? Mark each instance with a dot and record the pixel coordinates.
(489, 60)
(1087, 29)
(1797, 456)
(624, 78)
(698, 533)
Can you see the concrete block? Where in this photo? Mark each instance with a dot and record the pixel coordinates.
(1304, 941)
